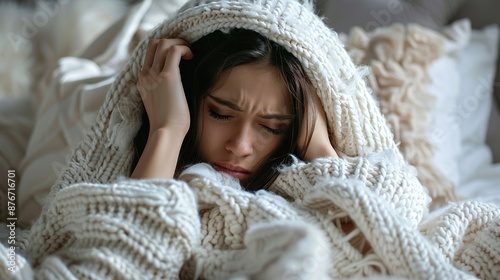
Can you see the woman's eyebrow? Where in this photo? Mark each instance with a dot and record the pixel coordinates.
(235, 107)
(226, 103)
(278, 117)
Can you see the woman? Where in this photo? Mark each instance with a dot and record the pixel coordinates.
(247, 101)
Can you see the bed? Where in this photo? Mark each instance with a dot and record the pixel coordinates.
(454, 145)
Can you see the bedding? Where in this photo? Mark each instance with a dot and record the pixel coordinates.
(345, 14)
(437, 15)
(16, 52)
(400, 60)
(69, 100)
(298, 221)
(443, 131)
(473, 111)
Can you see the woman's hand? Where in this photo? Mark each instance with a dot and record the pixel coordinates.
(160, 85)
(163, 96)
(320, 145)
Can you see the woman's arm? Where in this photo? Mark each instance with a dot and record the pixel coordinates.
(163, 96)
(159, 158)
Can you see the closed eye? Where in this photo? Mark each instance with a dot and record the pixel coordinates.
(275, 131)
(217, 116)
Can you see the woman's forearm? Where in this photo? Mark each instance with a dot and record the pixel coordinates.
(159, 158)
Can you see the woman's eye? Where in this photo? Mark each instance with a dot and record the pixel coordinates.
(274, 131)
(217, 116)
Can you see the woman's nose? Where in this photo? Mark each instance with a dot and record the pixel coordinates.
(240, 143)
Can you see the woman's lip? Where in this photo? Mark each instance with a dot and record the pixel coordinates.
(232, 167)
(233, 170)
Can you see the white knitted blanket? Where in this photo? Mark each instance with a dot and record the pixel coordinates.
(211, 229)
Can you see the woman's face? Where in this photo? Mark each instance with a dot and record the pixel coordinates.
(244, 119)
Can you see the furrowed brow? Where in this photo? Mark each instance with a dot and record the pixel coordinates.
(278, 117)
(235, 107)
(226, 103)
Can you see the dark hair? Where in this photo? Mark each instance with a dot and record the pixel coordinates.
(217, 52)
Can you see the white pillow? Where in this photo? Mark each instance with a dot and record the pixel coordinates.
(472, 109)
(444, 132)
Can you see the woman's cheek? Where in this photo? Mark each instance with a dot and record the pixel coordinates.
(214, 131)
(267, 140)
(208, 141)
(264, 138)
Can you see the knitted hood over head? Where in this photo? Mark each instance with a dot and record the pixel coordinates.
(355, 122)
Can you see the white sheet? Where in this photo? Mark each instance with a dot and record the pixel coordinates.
(484, 186)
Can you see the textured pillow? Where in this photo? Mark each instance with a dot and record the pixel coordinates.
(399, 57)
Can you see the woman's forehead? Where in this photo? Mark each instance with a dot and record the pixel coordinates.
(251, 85)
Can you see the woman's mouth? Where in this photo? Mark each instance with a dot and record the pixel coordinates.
(232, 170)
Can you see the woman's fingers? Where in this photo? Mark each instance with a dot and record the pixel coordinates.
(174, 55)
(165, 46)
(158, 51)
(156, 54)
(150, 54)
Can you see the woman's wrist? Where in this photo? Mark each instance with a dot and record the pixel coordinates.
(159, 158)
(175, 135)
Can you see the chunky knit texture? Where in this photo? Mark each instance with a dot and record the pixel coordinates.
(99, 225)
(212, 229)
(399, 58)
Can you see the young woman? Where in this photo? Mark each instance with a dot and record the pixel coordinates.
(238, 102)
